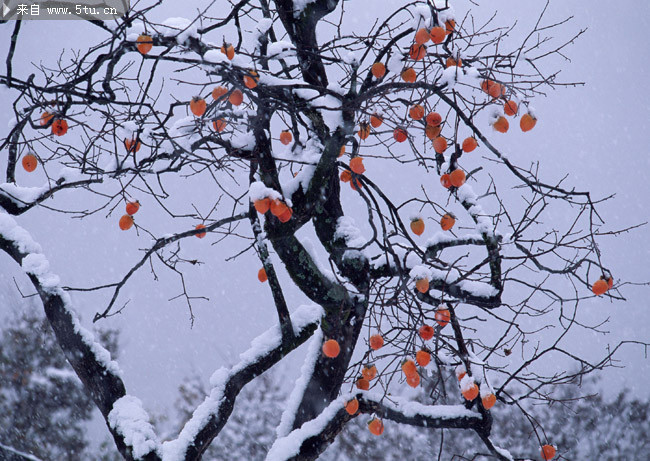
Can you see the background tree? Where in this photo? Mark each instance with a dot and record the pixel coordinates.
(44, 408)
(270, 117)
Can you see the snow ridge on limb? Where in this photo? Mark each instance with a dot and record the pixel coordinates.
(306, 371)
(211, 415)
(313, 437)
(90, 360)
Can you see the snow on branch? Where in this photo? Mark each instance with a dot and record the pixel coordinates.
(131, 420)
(314, 436)
(211, 415)
(90, 360)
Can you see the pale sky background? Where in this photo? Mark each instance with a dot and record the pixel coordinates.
(598, 133)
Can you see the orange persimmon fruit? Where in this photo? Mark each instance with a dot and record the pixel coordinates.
(145, 43)
(376, 342)
(376, 426)
(423, 358)
(200, 234)
(469, 144)
(378, 69)
(422, 285)
(30, 162)
(356, 165)
(443, 317)
(426, 332)
(331, 348)
(352, 406)
(126, 221)
(417, 226)
(457, 177)
(198, 106)
(527, 122)
(447, 222)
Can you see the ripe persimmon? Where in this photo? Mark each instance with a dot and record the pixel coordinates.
(376, 426)
(442, 317)
(417, 226)
(409, 368)
(422, 36)
(440, 144)
(488, 401)
(510, 108)
(451, 62)
(527, 122)
(599, 287)
(285, 216)
(548, 452)
(417, 52)
(457, 177)
(218, 92)
(261, 275)
(342, 151)
(494, 89)
(445, 180)
(426, 332)
(363, 384)
(610, 282)
(422, 285)
(423, 358)
(450, 25)
(460, 373)
(30, 162)
(376, 342)
(369, 371)
(470, 392)
(228, 50)
(416, 112)
(413, 381)
(356, 165)
(132, 145)
(352, 406)
(400, 134)
(200, 234)
(346, 176)
(409, 75)
(434, 119)
(378, 69)
(262, 205)
(198, 106)
(132, 207)
(45, 118)
(250, 80)
(355, 184)
(432, 132)
(126, 221)
(447, 222)
(286, 137)
(236, 97)
(145, 43)
(59, 127)
(469, 144)
(331, 348)
(364, 130)
(376, 120)
(437, 35)
(278, 207)
(501, 124)
(219, 125)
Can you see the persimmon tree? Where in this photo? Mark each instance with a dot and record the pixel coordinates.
(291, 120)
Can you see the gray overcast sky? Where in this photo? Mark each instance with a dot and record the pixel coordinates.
(598, 133)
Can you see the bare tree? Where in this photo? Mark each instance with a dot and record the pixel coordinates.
(281, 119)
